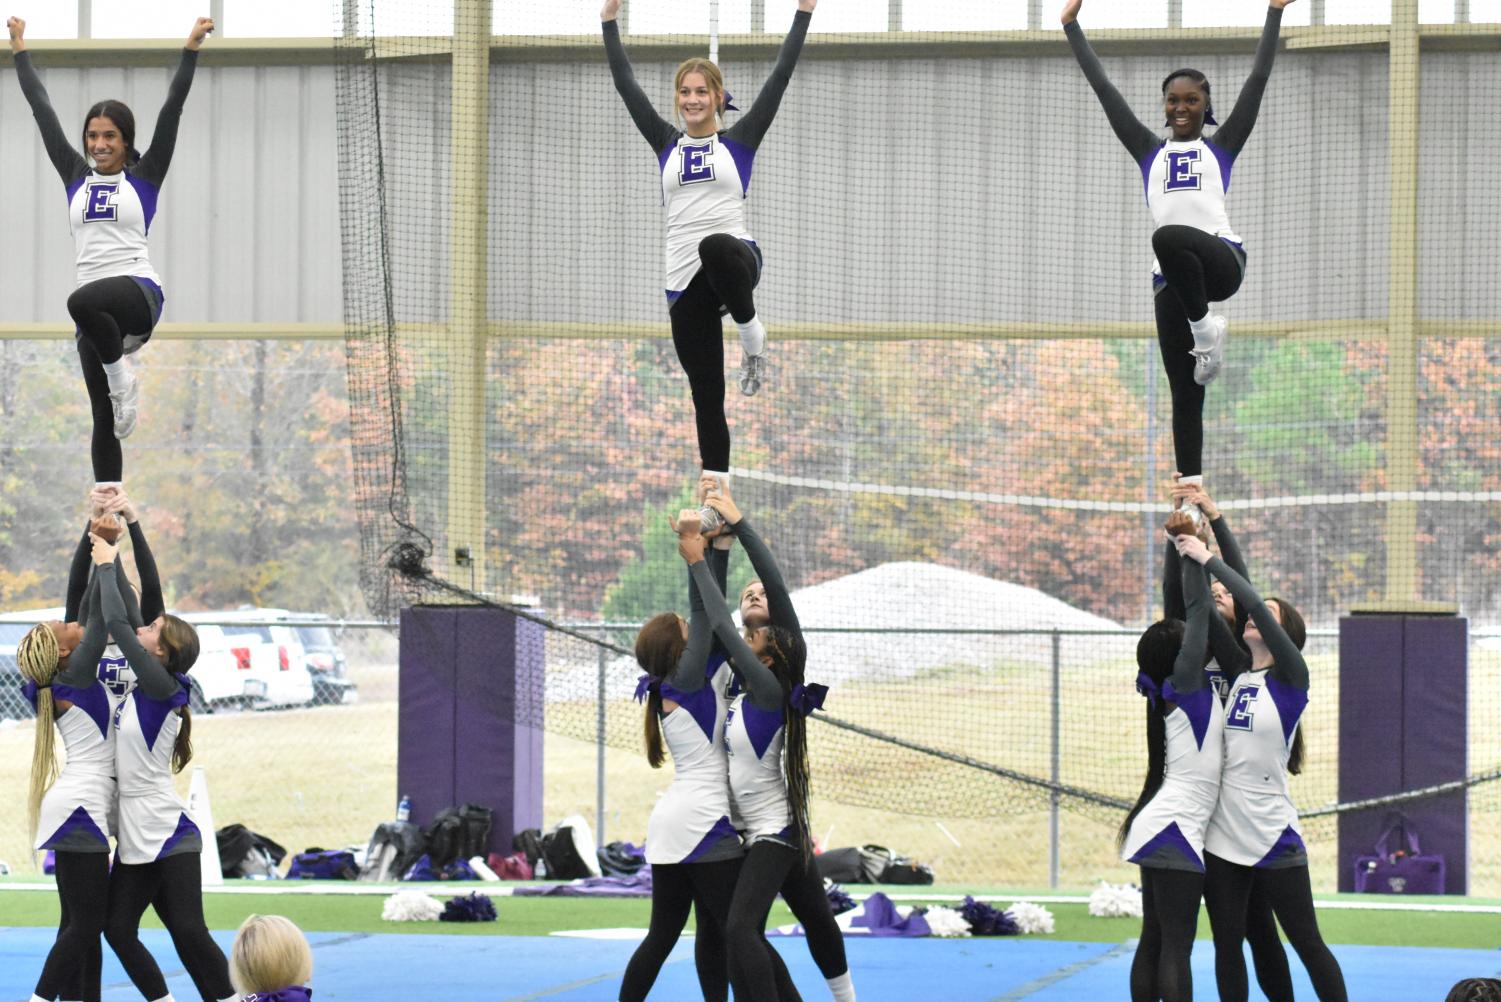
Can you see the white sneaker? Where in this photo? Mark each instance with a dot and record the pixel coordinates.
(125, 404)
(1207, 363)
(752, 368)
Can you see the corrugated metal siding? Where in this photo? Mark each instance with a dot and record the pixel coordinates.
(247, 227)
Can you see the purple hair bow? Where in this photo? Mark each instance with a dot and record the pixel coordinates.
(807, 698)
(1148, 688)
(644, 685)
(295, 993)
(728, 98)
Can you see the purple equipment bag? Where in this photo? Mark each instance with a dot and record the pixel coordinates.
(1402, 870)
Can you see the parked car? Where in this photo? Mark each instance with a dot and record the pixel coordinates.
(277, 657)
(325, 661)
(13, 626)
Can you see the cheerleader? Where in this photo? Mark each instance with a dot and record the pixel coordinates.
(111, 204)
(1164, 832)
(1199, 258)
(713, 264)
(1253, 838)
(693, 848)
(769, 781)
(270, 961)
(157, 856)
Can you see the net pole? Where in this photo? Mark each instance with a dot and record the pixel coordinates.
(1402, 304)
(469, 113)
(713, 31)
(599, 754)
(1054, 799)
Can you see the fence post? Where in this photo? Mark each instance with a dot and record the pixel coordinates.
(599, 755)
(1056, 770)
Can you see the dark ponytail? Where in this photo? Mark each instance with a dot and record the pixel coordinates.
(1297, 631)
(1156, 652)
(659, 645)
(182, 749)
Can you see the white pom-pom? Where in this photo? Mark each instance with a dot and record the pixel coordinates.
(946, 922)
(1031, 918)
(1115, 901)
(411, 906)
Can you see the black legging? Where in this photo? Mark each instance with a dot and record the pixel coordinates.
(728, 277)
(174, 887)
(107, 311)
(73, 964)
(1227, 889)
(771, 867)
(1199, 268)
(1169, 921)
(1267, 955)
(706, 888)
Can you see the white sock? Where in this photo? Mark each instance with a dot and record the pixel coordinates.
(230, 998)
(752, 336)
(1197, 478)
(165, 998)
(1203, 331)
(723, 478)
(118, 372)
(842, 988)
(38, 998)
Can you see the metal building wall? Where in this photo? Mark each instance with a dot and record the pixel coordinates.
(247, 228)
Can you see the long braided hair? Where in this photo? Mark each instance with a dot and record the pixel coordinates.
(37, 656)
(789, 658)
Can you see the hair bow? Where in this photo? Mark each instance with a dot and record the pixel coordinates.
(1148, 687)
(294, 993)
(646, 684)
(30, 690)
(728, 98)
(807, 698)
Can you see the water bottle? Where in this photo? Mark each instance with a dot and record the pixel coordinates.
(404, 808)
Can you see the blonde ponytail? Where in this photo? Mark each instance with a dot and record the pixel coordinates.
(37, 658)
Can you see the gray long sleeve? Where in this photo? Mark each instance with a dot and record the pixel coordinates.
(82, 669)
(659, 132)
(152, 679)
(1188, 669)
(1235, 131)
(689, 674)
(1288, 664)
(761, 685)
(153, 164)
(1130, 130)
(66, 159)
(752, 126)
(778, 599)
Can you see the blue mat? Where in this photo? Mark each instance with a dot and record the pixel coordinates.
(373, 968)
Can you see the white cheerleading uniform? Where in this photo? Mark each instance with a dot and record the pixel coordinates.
(110, 216)
(78, 810)
(758, 789)
(1255, 822)
(704, 185)
(1186, 184)
(691, 821)
(1168, 832)
(153, 822)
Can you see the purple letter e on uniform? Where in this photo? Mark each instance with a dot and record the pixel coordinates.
(697, 164)
(1181, 175)
(99, 202)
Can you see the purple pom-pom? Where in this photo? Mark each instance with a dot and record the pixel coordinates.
(839, 899)
(986, 920)
(474, 907)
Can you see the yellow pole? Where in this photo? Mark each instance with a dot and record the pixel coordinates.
(468, 273)
(1402, 305)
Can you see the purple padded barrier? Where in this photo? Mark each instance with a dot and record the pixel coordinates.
(469, 717)
(1402, 719)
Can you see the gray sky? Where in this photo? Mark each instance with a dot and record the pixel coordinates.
(255, 18)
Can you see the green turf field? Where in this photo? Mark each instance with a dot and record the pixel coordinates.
(541, 916)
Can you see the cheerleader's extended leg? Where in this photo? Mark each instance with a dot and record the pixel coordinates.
(1200, 268)
(733, 269)
(698, 338)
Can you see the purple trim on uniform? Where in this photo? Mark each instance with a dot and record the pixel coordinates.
(1196, 706)
(1291, 703)
(703, 705)
(73, 188)
(296, 993)
(1289, 843)
(761, 726)
(152, 713)
(665, 154)
(1170, 837)
(1146, 170)
(744, 158)
(722, 830)
(94, 701)
(185, 829)
(1225, 161)
(147, 193)
(78, 823)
